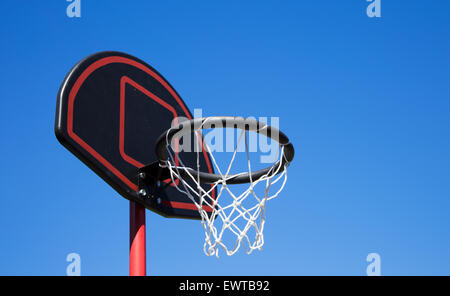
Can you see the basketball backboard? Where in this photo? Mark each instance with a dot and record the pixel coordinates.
(111, 109)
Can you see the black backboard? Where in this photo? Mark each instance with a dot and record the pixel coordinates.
(111, 108)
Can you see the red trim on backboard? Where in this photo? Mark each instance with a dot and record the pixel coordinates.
(155, 98)
(183, 205)
(72, 96)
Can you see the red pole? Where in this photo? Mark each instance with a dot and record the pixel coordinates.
(137, 240)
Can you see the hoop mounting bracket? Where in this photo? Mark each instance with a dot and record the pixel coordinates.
(149, 183)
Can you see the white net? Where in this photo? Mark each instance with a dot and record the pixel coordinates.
(229, 219)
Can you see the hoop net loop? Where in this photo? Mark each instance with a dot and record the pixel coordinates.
(228, 215)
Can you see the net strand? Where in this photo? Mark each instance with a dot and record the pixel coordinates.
(212, 211)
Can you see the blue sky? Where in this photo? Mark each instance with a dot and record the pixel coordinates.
(365, 102)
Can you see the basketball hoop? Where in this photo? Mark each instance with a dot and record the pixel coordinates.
(218, 215)
(138, 105)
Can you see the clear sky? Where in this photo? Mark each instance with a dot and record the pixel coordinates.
(366, 102)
